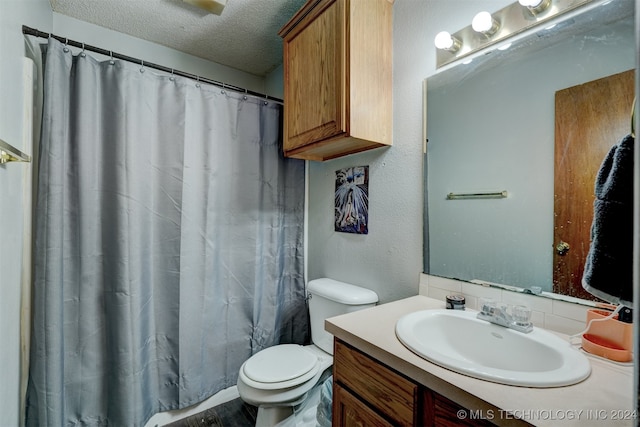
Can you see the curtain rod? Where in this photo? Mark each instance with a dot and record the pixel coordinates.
(34, 32)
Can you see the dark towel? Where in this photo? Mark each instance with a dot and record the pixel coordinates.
(608, 271)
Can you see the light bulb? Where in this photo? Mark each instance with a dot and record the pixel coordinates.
(443, 40)
(481, 22)
(446, 41)
(484, 23)
(535, 6)
(530, 3)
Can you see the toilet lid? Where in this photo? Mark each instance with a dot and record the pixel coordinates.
(281, 363)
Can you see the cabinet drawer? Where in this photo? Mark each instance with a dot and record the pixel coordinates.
(350, 411)
(392, 394)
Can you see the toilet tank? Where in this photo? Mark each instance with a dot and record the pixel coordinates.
(328, 298)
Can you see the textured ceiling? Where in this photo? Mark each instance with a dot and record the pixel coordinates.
(244, 36)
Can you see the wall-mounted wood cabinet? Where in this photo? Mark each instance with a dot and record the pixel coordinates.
(338, 78)
(366, 392)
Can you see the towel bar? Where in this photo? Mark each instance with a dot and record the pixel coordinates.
(9, 153)
(494, 195)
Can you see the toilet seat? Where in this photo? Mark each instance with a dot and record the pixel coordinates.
(278, 367)
(290, 396)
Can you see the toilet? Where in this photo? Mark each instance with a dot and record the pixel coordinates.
(278, 378)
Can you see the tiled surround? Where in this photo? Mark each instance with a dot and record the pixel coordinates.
(561, 316)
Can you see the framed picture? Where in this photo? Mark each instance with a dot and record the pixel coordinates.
(352, 200)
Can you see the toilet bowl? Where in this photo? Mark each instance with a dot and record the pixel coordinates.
(278, 378)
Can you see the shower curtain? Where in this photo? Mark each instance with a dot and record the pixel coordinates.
(168, 244)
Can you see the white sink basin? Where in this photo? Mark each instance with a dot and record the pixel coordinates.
(456, 340)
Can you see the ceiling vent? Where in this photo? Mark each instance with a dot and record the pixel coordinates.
(212, 6)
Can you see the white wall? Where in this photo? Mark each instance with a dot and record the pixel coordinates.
(13, 14)
(274, 83)
(388, 259)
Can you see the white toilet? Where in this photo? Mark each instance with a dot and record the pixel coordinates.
(278, 378)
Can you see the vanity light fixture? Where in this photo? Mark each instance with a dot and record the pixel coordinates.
(484, 23)
(446, 41)
(505, 25)
(535, 6)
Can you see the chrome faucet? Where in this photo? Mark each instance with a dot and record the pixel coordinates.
(519, 317)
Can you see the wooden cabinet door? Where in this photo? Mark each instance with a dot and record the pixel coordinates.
(442, 412)
(338, 78)
(393, 395)
(314, 74)
(590, 119)
(349, 411)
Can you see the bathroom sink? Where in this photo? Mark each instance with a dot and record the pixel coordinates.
(456, 340)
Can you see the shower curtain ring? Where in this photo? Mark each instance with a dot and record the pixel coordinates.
(82, 54)
(111, 61)
(66, 42)
(142, 65)
(245, 97)
(197, 81)
(172, 77)
(223, 91)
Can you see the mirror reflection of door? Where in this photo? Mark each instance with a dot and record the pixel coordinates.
(589, 119)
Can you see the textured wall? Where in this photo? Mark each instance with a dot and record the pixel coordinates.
(13, 14)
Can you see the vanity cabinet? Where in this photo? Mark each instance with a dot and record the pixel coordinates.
(366, 392)
(337, 78)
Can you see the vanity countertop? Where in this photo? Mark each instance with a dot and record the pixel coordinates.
(604, 398)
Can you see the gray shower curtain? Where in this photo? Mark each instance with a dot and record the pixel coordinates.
(168, 243)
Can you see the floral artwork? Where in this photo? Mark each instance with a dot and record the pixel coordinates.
(352, 200)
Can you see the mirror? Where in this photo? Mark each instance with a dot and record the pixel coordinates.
(490, 128)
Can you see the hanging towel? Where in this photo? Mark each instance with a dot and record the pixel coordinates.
(609, 266)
